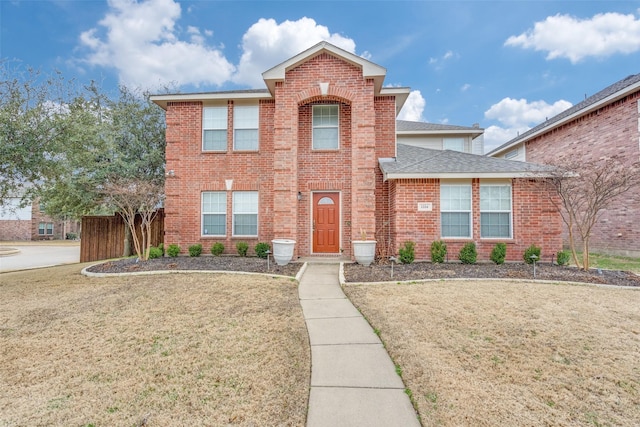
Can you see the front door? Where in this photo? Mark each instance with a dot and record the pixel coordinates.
(326, 223)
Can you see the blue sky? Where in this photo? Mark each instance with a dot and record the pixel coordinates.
(503, 64)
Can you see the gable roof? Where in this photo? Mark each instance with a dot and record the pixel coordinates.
(417, 162)
(610, 94)
(369, 69)
(405, 127)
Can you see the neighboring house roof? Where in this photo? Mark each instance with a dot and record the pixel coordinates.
(405, 127)
(606, 96)
(417, 162)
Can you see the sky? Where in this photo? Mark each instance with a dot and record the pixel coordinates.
(506, 65)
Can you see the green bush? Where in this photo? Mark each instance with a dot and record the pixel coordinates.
(173, 250)
(261, 250)
(468, 253)
(195, 250)
(407, 253)
(161, 247)
(217, 249)
(499, 253)
(242, 248)
(71, 236)
(563, 257)
(531, 250)
(438, 251)
(155, 253)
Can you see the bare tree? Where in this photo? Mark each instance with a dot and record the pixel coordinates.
(133, 198)
(586, 188)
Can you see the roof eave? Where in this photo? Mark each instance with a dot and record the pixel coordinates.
(467, 175)
(163, 100)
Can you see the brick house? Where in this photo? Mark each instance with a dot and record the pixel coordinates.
(318, 157)
(605, 124)
(29, 222)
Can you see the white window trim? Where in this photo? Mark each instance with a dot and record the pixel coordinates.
(510, 212)
(226, 127)
(233, 215)
(236, 127)
(203, 213)
(470, 212)
(325, 127)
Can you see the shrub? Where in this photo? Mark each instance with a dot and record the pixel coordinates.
(155, 253)
(499, 253)
(217, 249)
(468, 253)
(173, 250)
(242, 248)
(438, 251)
(195, 250)
(71, 236)
(531, 250)
(161, 247)
(407, 253)
(261, 250)
(563, 258)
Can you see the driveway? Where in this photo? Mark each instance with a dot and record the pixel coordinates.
(38, 255)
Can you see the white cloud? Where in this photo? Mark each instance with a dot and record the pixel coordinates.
(267, 43)
(564, 36)
(141, 42)
(465, 87)
(413, 107)
(517, 116)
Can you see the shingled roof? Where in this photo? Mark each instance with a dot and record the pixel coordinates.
(412, 127)
(605, 96)
(418, 162)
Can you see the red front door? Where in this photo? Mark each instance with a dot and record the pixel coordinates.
(326, 223)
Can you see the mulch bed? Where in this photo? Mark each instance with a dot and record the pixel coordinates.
(379, 272)
(204, 263)
(544, 271)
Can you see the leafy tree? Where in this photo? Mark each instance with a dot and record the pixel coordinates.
(585, 189)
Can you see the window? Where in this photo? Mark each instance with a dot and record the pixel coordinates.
(245, 213)
(511, 154)
(245, 128)
(45, 229)
(214, 129)
(325, 127)
(455, 210)
(495, 211)
(214, 213)
(454, 144)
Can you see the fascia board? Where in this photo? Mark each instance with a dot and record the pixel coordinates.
(163, 100)
(483, 175)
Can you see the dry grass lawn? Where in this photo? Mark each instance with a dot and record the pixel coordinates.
(512, 354)
(188, 349)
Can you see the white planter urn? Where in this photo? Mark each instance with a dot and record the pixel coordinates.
(283, 250)
(364, 251)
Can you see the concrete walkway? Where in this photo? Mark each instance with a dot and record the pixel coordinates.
(353, 380)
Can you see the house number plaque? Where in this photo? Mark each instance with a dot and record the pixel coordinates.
(425, 207)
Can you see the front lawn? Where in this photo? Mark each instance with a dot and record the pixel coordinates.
(188, 349)
(486, 353)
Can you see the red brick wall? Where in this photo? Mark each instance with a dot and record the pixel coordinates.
(535, 221)
(15, 230)
(285, 163)
(611, 130)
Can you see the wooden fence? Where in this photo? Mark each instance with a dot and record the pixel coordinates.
(103, 236)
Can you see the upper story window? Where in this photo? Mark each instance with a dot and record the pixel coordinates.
(325, 127)
(245, 128)
(214, 129)
(511, 154)
(453, 144)
(455, 210)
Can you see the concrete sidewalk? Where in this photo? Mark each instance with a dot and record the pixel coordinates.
(353, 380)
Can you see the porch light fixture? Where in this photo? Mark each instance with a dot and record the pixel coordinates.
(299, 195)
